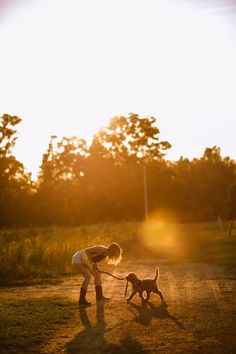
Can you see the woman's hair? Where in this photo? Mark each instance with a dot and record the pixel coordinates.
(114, 253)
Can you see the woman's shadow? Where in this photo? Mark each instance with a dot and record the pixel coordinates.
(91, 338)
(145, 313)
(91, 335)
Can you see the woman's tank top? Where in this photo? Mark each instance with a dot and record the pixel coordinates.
(98, 257)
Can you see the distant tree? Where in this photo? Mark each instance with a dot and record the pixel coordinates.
(61, 179)
(63, 160)
(231, 200)
(218, 174)
(15, 184)
(7, 134)
(129, 137)
(201, 184)
(116, 152)
(104, 182)
(231, 205)
(212, 154)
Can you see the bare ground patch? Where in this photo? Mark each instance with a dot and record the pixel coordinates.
(198, 316)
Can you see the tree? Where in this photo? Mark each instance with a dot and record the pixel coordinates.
(231, 205)
(7, 134)
(129, 137)
(15, 184)
(201, 184)
(61, 179)
(121, 147)
(231, 200)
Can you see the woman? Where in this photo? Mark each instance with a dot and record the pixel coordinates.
(85, 263)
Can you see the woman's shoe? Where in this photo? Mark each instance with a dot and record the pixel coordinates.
(82, 299)
(99, 294)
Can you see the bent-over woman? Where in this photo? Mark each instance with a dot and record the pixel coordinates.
(85, 262)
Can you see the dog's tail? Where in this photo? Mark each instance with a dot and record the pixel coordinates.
(157, 275)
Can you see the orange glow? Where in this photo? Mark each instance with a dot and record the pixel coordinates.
(162, 237)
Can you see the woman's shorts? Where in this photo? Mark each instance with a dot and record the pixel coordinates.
(81, 257)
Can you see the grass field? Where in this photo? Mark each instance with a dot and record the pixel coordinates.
(198, 278)
(28, 322)
(38, 253)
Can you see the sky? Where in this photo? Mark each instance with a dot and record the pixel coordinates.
(67, 67)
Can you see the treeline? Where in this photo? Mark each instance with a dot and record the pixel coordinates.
(80, 184)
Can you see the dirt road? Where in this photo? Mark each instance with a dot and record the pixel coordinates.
(198, 316)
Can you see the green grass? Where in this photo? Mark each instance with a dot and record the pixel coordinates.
(38, 254)
(27, 324)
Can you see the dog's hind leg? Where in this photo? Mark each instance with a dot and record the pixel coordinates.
(141, 296)
(148, 295)
(157, 291)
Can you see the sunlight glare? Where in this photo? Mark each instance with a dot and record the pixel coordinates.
(162, 237)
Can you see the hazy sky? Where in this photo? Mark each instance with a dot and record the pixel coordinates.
(67, 67)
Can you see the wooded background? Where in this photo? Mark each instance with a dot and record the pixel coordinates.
(79, 184)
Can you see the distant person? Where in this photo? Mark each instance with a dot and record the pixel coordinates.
(85, 262)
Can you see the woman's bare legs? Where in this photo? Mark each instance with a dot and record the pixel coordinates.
(98, 285)
(81, 269)
(97, 277)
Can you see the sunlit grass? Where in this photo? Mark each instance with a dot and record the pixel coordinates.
(196, 242)
(46, 252)
(36, 253)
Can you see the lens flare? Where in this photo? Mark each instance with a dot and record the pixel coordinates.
(162, 237)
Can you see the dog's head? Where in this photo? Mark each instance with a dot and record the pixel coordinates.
(131, 277)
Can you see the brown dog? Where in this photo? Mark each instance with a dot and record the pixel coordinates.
(139, 286)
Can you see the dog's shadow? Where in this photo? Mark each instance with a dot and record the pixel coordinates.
(147, 311)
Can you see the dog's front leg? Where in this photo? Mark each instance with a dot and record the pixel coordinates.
(131, 295)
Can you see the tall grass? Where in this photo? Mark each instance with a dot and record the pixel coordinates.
(46, 252)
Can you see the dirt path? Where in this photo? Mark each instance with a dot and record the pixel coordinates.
(199, 315)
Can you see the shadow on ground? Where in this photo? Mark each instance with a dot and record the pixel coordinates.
(144, 314)
(93, 337)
